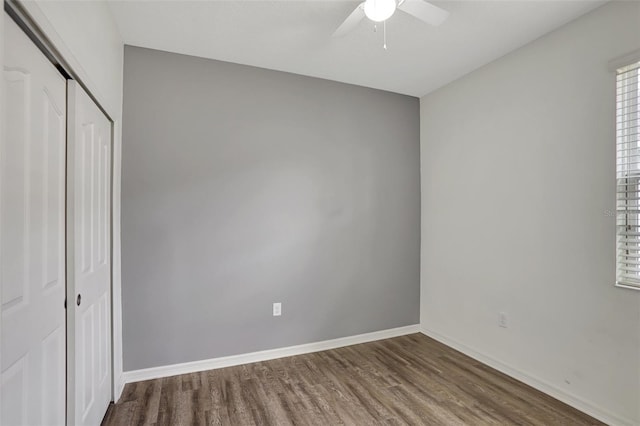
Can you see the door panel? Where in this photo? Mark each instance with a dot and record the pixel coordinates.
(89, 258)
(32, 231)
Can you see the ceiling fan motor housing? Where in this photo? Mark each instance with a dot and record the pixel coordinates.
(379, 10)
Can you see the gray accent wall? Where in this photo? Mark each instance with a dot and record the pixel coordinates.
(242, 187)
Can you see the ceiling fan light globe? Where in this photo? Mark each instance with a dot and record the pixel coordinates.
(379, 10)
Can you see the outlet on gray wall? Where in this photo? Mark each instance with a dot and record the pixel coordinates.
(241, 186)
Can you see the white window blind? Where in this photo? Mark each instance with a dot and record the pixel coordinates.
(628, 175)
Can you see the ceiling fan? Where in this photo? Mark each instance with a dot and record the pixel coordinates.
(381, 10)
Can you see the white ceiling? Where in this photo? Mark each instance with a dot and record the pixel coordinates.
(295, 36)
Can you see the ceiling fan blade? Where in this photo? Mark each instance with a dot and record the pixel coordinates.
(424, 11)
(351, 22)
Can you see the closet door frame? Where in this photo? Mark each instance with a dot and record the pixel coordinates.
(2, 100)
(28, 19)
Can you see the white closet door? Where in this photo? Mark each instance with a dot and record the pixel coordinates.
(88, 259)
(32, 239)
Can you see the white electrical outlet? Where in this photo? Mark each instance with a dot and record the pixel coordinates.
(503, 320)
(277, 309)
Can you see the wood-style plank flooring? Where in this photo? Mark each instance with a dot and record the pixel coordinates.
(405, 380)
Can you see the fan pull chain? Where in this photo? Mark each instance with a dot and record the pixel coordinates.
(384, 34)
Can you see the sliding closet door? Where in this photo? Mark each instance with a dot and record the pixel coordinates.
(32, 248)
(88, 259)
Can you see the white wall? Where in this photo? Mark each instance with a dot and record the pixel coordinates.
(518, 177)
(86, 35)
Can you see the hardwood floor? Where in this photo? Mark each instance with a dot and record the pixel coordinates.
(405, 380)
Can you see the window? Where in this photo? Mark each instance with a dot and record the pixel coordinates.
(628, 175)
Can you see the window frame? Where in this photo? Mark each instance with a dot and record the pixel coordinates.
(627, 175)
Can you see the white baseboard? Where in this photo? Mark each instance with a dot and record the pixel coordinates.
(541, 385)
(229, 361)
